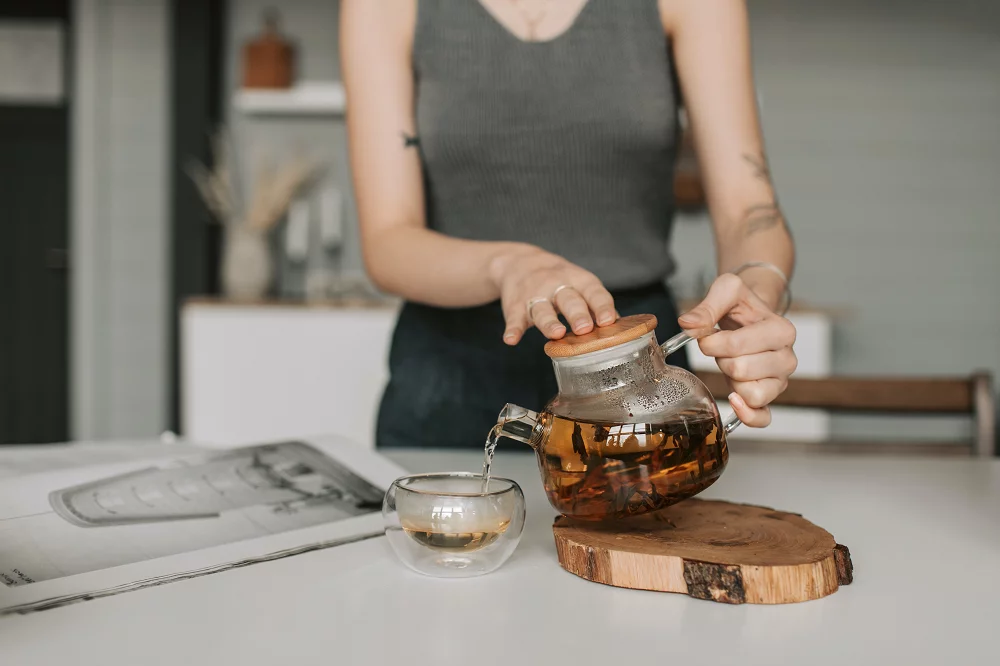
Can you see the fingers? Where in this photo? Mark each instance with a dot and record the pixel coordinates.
(771, 334)
(517, 323)
(544, 316)
(599, 300)
(575, 310)
(548, 286)
(754, 351)
(586, 304)
(748, 368)
(755, 418)
(760, 392)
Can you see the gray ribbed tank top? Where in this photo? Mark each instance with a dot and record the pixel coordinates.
(567, 144)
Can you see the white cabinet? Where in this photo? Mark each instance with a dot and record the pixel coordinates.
(268, 371)
(261, 372)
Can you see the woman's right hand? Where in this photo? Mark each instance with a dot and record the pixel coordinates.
(527, 274)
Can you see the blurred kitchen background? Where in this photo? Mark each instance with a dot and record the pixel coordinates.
(882, 122)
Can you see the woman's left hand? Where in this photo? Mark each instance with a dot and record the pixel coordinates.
(753, 349)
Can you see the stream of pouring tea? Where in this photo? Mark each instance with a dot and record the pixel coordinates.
(491, 447)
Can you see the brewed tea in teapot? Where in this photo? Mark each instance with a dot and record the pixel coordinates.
(627, 434)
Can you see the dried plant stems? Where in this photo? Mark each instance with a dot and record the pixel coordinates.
(218, 202)
(274, 191)
(272, 194)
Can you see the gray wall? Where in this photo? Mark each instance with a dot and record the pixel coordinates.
(883, 126)
(119, 218)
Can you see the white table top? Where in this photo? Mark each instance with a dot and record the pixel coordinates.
(924, 535)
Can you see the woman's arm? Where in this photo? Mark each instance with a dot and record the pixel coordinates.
(711, 44)
(403, 256)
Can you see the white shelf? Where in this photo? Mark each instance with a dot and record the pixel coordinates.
(305, 99)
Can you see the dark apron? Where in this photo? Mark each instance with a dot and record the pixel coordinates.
(451, 373)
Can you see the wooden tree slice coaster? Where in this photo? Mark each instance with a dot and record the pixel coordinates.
(708, 549)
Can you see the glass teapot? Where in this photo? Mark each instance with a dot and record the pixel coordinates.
(627, 434)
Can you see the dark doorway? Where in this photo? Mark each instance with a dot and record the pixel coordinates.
(197, 58)
(34, 276)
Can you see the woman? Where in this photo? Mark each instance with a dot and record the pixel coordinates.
(513, 162)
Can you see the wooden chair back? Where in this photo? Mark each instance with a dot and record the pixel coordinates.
(931, 396)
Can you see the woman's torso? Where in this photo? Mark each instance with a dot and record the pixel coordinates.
(567, 144)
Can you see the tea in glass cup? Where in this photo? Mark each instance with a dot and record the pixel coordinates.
(452, 524)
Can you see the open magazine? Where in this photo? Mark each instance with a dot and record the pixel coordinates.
(79, 522)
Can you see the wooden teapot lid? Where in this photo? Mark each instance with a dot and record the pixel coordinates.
(624, 330)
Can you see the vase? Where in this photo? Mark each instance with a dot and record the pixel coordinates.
(247, 265)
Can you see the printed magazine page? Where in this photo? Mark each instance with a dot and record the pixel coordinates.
(74, 532)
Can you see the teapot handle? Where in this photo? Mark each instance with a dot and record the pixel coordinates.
(675, 343)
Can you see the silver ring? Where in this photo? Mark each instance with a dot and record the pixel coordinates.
(558, 289)
(532, 302)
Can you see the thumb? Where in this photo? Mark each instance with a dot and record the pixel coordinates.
(721, 298)
(697, 317)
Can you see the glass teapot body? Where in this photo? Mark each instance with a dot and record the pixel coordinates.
(626, 435)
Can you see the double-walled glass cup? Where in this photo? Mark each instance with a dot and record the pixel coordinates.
(448, 525)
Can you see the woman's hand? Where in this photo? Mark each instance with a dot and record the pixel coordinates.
(754, 349)
(529, 274)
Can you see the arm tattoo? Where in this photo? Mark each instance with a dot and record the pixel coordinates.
(410, 141)
(761, 218)
(761, 170)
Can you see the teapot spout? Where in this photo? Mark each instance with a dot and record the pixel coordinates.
(518, 423)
